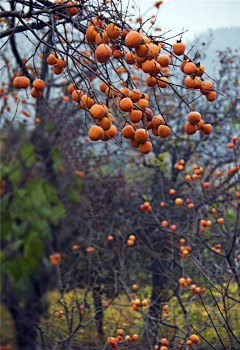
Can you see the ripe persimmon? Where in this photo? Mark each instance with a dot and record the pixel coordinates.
(155, 131)
(148, 66)
(126, 104)
(86, 102)
(164, 341)
(206, 129)
(140, 60)
(124, 92)
(153, 51)
(189, 68)
(60, 63)
(220, 220)
(144, 302)
(91, 34)
(157, 67)
(128, 132)
(95, 133)
(189, 343)
(178, 201)
(178, 48)
(151, 81)
(38, 84)
(194, 117)
(76, 95)
(163, 60)
(130, 57)
(142, 103)
(105, 123)
(190, 128)
(103, 53)
(135, 95)
(101, 38)
(183, 64)
(71, 88)
(142, 50)
(206, 86)
(211, 96)
(194, 338)
(36, 93)
(111, 340)
(134, 337)
(110, 133)
(164, 131)
(51, 60)
(157, 120)
(162, 82)
(199, 71)
(57, 70)
(113, 31)
(135, 116)
(141, 135)
(190, 82)
(133, 39)
(145, 147)
(103, 86)
(200, 124)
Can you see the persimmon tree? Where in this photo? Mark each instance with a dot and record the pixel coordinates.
(183, 243)
(82, 41)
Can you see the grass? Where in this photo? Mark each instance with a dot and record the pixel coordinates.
(120, 314)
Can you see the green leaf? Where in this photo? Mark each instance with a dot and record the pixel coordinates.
(41, 225)
(33, 246)
(26, 250)
(16, 245)
(4, 170)
(49, 191)
(72, 195)
(57, 159)
(19, 230)
(27, 154)
(144, 197)
(15, 172)
(4, 201)
(58, 212)
(6, 223)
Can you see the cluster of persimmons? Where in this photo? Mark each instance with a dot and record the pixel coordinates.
(108, 41)
(194, 289)
(114, 341)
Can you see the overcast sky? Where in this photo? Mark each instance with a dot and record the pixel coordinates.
(195, 15)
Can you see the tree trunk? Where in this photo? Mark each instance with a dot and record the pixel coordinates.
(25, 317)
(158, 281)
(99, 312)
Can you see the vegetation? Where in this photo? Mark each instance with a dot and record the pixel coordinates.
(105, 245)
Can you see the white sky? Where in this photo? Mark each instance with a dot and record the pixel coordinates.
(195, 15)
